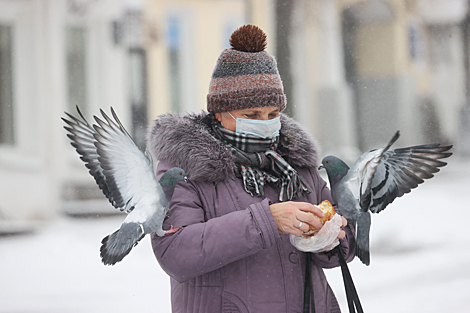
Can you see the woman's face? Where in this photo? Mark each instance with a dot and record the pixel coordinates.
(263, 113)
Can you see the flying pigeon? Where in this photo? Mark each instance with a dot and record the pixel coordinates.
(125, 175)
(376, 179)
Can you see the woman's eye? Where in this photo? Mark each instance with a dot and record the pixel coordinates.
(250, 115)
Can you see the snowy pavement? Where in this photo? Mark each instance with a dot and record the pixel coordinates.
(420, 261)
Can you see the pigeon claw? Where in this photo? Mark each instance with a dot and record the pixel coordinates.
(172, 230)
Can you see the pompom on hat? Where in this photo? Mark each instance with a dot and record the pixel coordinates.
(245, 76)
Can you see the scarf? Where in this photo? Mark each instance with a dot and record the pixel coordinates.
(258, 163)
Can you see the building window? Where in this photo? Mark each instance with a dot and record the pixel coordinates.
(76, 68)
(174, 43)
(416, 43)
(138, 95)
(7, 135)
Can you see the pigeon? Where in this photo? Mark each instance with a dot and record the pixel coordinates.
(376, 179)
(125, 175)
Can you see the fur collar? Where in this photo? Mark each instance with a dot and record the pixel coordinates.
(186, 142)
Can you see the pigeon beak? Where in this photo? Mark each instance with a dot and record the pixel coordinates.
(185, 179)
(320, 167)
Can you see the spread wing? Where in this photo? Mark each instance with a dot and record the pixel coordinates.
(128, 171)
(401, 170)
(120, 168)
(364, 171)
(81, 134)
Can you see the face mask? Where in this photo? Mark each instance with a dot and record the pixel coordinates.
(259, 128)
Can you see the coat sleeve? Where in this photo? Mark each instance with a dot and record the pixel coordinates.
(204, 245)
(330, 259)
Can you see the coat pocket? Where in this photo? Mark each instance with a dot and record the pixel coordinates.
(233, 304)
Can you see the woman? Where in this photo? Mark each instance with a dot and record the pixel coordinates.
(253, 181)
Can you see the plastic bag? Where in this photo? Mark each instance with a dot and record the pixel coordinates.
(325, 240)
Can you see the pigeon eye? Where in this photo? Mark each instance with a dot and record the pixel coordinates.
(181, 173)
(326, 161)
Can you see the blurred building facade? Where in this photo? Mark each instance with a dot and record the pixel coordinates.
(355, 71)
(55, 55)
(380, 66)
(364, 69)
(187, 37)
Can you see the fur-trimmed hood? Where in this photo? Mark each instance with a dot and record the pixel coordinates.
(187, 143)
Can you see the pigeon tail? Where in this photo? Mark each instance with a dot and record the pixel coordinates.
(362, 238)
(117, 245)
(363, 254)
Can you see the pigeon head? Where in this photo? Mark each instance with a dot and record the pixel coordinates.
(169, 180)
(335, 168)
(172, 177)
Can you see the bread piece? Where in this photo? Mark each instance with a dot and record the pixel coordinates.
(329, 211)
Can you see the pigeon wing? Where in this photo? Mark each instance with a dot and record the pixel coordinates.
(403, 169)
(81, 134)
(128, 171)
(365, 169)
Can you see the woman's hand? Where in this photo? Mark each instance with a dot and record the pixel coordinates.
(289, 215)
(342, 234)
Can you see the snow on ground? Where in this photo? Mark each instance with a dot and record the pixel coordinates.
(420, 261)
(58, 269)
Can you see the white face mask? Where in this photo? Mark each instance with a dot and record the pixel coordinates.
(260, 128)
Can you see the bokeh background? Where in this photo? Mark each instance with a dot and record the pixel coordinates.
(354, 72)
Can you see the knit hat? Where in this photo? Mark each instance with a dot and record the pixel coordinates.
(245, 75)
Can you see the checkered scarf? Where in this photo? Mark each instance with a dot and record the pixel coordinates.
(258, 164)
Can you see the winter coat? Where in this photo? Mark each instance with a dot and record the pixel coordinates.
(229, 255)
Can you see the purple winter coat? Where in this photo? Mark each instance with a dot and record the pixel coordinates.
(229, 256)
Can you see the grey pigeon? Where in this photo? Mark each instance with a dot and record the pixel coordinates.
(376, 179)
(125, 175)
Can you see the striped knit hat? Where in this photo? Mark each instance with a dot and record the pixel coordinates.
(245, 75)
